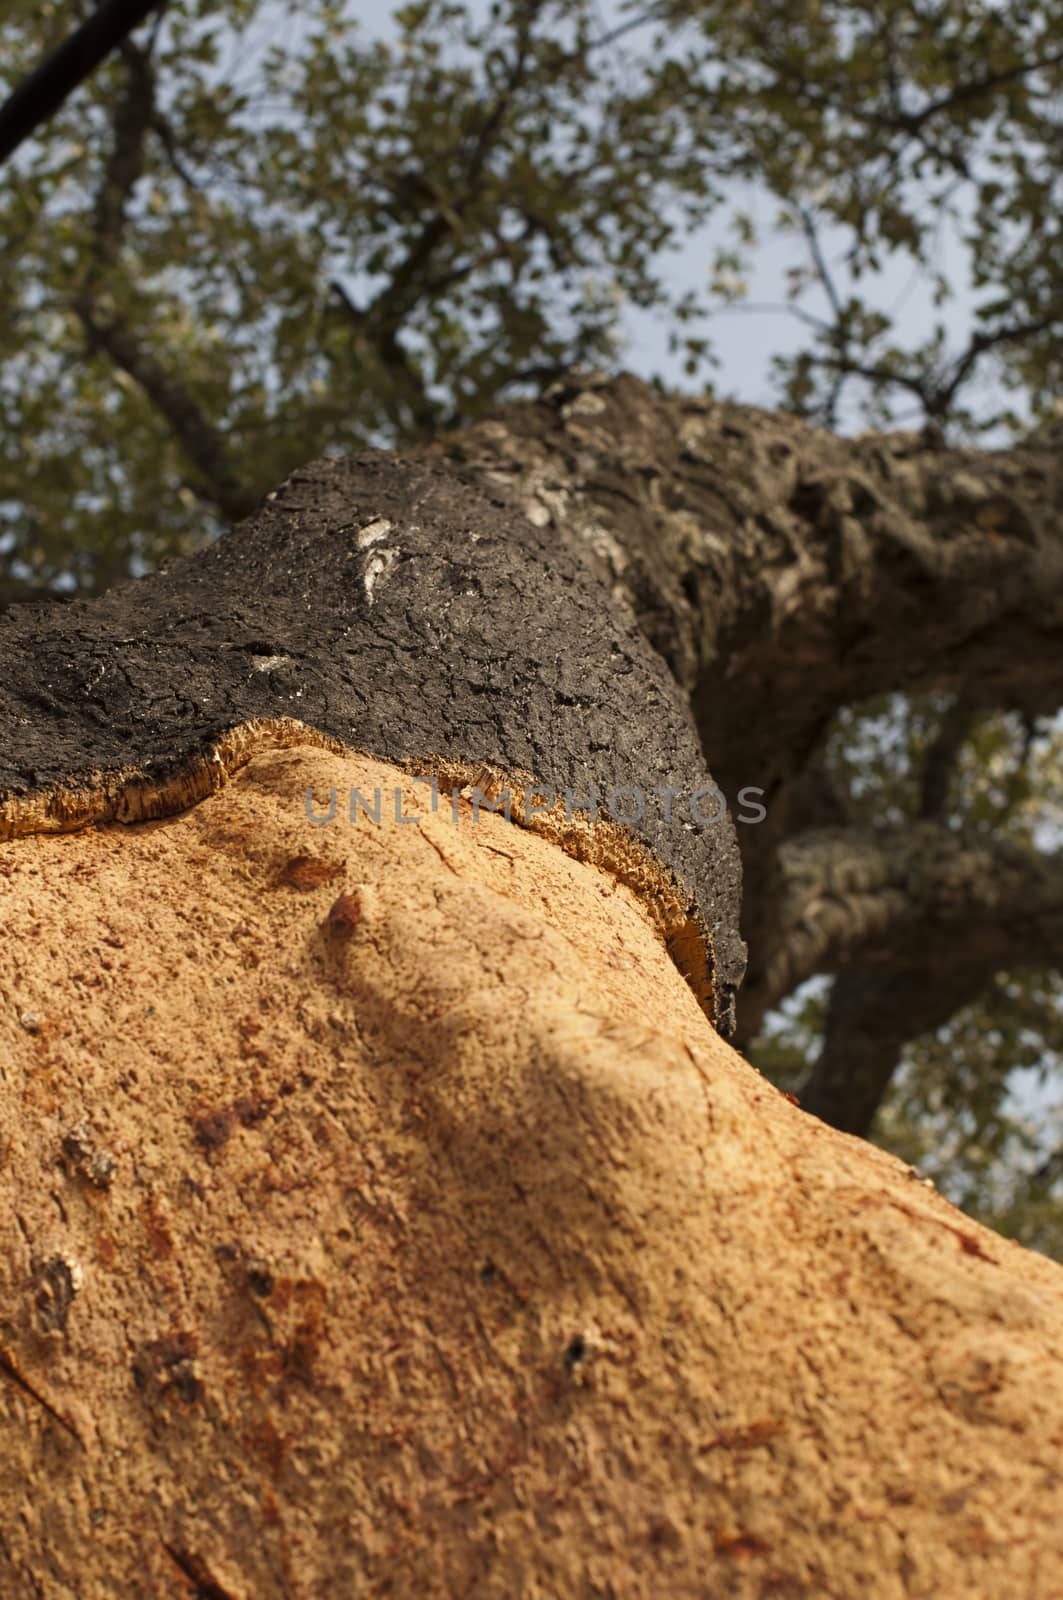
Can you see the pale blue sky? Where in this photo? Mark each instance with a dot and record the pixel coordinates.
(746, 340)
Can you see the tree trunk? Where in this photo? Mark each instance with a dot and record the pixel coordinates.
(383, 1212)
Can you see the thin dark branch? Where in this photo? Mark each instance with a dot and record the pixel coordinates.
(39, 96)
(977, 87)
(164, 133)
(905, 380)
(109, 331)
(775, 308)
(937, 398)
(981, 343)
(912, 123)
(939, 764)
(872, 1015)
(380, 322)
(388, 349)
(808, 227)
(838, 332)
(204, 445)
(642, 20)
(133, 116)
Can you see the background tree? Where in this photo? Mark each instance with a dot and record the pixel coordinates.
(256, 235)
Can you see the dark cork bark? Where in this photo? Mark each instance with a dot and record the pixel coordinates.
(394, 606)
(784, 573)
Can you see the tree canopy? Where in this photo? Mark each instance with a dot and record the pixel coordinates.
(258, 234)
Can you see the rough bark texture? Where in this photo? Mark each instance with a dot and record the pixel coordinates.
(785, 573)
(396, 607)
(801, 570)
(916, 897)
(382, 1216)
(781, 572)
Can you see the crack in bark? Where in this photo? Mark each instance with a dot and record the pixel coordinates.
(11, 1371)
(205, 1587)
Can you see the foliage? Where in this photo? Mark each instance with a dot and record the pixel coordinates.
(882, 124)
(254, 235)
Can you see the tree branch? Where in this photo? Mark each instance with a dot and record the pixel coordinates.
(915, 897)
(388, 349)
(134, 114)
(784, 572)
(109, 330)
(939, 764)
(131, 705)
(871, 1016)
(39, 96)
(912, 124)
(412, 282)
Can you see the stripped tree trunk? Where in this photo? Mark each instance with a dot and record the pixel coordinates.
(384, 1212)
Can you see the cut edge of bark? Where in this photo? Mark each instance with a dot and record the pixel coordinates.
(604, 844)
(132, 794)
